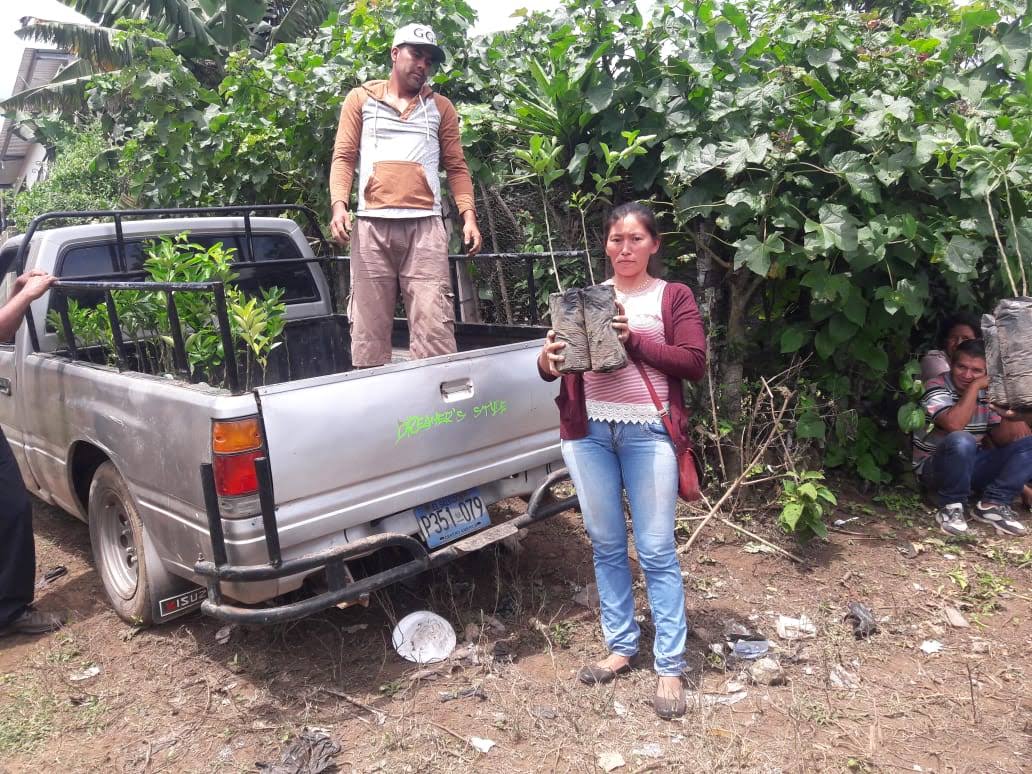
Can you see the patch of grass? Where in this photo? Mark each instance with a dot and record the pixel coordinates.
(905, 505)
(27, 713)
(981, 592)
(64, 651)
(813, 711)
(714, 660)
(1011, 556)
(561, 633)
(393, 688)
(89, 712)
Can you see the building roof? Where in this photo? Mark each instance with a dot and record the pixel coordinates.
(38, 67)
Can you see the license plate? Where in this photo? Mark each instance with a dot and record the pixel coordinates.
(449, 518)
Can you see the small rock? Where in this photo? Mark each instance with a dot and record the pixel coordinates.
(767, 671)
(842, 679)
(709, 699)
(980, 647)
(650, 750)
(222, 635)
(472, 692)
(432, 673)
(735, 630)
(931, 646)
(86, 674)
(587, 596)
(467, 652)
(611, 761)
(862, 619)
(734, 686)
(619, 709)
(495, 625)
(795, 628)
(955, 618)
(482, 745)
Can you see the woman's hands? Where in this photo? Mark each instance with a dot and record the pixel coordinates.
(551, 354)
(620, 325)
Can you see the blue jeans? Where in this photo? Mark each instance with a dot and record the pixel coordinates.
(959, 466)
(639, 458)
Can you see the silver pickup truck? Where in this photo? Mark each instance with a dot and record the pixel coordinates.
(267, 503)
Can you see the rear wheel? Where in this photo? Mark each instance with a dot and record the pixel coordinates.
(116, 535)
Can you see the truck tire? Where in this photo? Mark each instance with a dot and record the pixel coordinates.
(116, 536)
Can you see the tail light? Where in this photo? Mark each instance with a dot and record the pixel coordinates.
(235, 445)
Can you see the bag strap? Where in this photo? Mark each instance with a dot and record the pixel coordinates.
(664, 413)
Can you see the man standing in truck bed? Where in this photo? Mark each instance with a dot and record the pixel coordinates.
(400, 133)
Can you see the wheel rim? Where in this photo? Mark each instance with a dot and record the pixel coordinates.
(118, 547)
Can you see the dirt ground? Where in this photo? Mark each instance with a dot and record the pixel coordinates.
(173, 698)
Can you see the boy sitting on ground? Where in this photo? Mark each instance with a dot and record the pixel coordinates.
(950, 458)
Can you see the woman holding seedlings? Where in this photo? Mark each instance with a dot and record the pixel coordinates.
(614, 440)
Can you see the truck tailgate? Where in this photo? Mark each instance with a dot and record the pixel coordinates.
(349, 448)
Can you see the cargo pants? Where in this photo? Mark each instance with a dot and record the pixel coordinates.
(411, 253)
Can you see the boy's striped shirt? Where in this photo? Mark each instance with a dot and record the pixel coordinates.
(941, 394)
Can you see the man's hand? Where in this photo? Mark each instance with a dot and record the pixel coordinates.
(471, 238)
(33, 283)
(22, 279)
(981, 383)
(1014, 415)
(340, 223)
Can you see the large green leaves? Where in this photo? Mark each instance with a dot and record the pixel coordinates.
(756, 254)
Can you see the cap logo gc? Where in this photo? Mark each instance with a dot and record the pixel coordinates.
(425, 33)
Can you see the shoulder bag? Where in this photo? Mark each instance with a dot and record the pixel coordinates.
(688, 474)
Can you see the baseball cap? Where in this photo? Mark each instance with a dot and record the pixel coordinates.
(418, 35)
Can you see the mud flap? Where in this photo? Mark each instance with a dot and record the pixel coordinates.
(170, 595)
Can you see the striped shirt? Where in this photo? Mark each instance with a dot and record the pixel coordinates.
(941, 394)
(621, 396)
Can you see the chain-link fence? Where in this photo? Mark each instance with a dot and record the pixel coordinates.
(513, 288)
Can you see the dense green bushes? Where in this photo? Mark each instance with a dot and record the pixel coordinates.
(74, 181)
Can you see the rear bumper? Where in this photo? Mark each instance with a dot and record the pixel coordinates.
(341, 588)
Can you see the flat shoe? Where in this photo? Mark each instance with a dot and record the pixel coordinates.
(668, 708)
(593, 674)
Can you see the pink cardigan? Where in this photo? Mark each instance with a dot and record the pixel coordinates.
(683, 356)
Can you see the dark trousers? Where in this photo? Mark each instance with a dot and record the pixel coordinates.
(17, 548)
(959, 467)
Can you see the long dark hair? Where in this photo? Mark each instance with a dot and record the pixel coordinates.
(647, 218)
(960, 318)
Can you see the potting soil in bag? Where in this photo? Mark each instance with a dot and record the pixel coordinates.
(607, 351)
(567, 312)
(1008, 353)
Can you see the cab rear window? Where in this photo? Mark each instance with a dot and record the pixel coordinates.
(100, 261)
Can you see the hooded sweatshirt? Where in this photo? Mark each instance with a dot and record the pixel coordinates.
(399, 156)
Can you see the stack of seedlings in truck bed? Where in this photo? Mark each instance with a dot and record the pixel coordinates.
(256, 322)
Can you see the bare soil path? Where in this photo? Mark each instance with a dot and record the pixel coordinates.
(175, 699)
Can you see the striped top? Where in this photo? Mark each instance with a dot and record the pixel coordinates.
(940, 394)
(621, 396)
